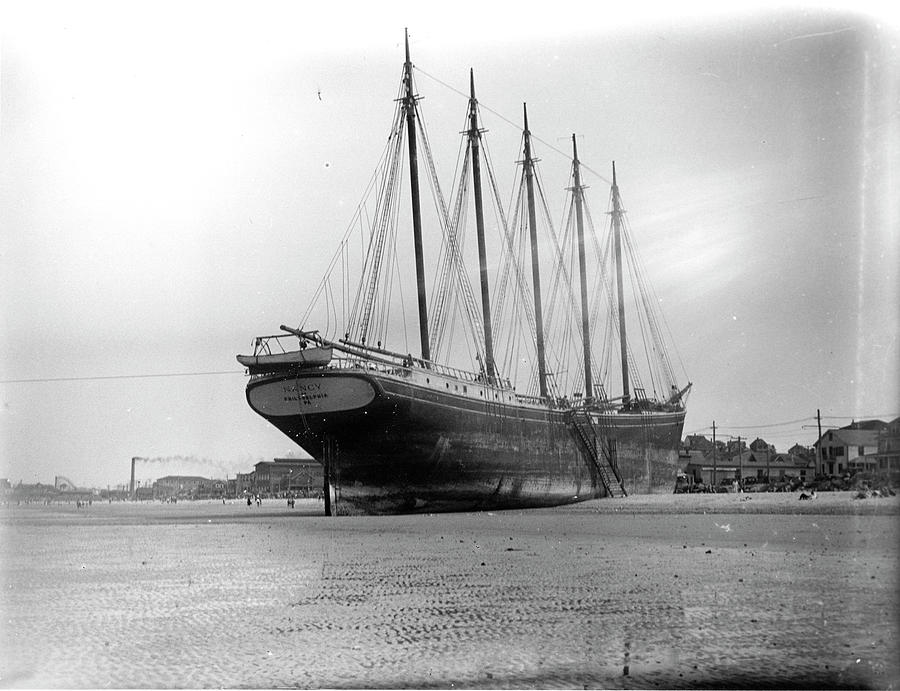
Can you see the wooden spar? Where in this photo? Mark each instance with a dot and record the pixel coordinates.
(617, 235)
(479, 223)
(363, 348)
(677, 396)
(578, 191)
(409, 106)
(535, 271)
(309, 335)
(351, 348)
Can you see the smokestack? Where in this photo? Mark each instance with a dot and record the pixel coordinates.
(131, 487)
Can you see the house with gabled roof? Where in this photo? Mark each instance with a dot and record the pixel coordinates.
(800, 450)
(849, 448)
(888, 455)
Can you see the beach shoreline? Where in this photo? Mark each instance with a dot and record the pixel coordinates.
(671, 591)
(785, 503)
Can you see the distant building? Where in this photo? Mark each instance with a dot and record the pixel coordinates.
(849, 448)
(759, 445)
(177, 486)
(766, 465)
(283, 475)
(887, 457)
(243, 484)
(800, 450)
(210, 489)
(63, 484)
(698, 442)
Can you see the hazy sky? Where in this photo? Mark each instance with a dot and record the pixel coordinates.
(174, 178)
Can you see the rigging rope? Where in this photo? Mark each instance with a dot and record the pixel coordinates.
(367, 316)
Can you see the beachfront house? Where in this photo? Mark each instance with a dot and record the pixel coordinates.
(888, 455)
(850, 448)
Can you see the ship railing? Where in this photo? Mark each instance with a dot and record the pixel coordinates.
(407, 366)
(403, 369)
(262, 345)
(532, 400)
(410, 364)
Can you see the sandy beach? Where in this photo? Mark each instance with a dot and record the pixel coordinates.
(662, 591)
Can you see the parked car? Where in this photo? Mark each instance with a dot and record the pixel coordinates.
(726, 484)
(826, 484)
(784, 484)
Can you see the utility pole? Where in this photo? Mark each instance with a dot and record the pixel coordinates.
(714, 455)
(819, 443)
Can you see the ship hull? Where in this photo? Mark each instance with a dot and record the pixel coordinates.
(414, 441)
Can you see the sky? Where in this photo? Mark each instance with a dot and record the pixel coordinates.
(175, 178)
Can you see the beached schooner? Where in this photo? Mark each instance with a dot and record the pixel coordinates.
(402, 432)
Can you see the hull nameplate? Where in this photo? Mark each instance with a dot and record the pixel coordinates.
(305, 395)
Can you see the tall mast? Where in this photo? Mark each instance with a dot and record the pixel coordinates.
(479, 222)
(617, 235)
(578, 191)
(535, 272)
(409, 106)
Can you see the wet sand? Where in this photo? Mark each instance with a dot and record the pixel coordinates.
(686, 591)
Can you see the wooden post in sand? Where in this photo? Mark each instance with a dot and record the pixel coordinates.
(326, 474)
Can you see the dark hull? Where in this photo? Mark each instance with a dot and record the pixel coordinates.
(401, 445)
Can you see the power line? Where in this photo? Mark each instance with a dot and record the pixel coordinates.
(770, 425)
(119, 376)
(889, 416)
(767, 426)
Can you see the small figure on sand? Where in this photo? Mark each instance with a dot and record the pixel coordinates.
(249, 501)
(811, 495)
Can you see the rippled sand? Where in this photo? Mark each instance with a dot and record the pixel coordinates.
(660, 591)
